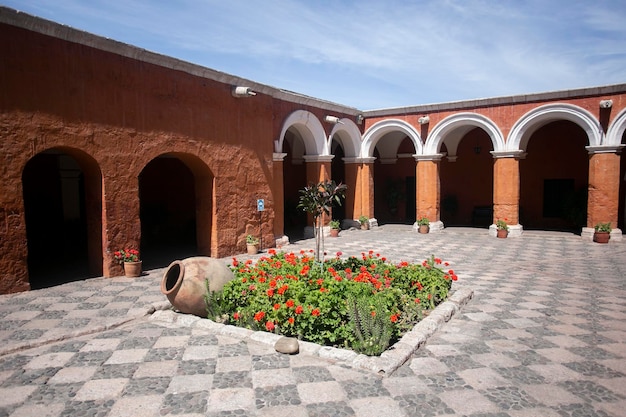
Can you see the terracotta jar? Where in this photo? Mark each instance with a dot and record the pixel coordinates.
(502, 233)
(184, 282)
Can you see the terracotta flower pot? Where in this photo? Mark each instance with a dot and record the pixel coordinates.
(424, 228)
(502, 233)
(601, 237)
(184, 282)
(334, 232)
(132, 269)
(252, 249)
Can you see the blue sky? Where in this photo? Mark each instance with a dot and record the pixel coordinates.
(373, 54)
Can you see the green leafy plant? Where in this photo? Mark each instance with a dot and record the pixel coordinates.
(335, 224)
(252, 240)
(370, 323)
(363, 219)
(318, 200)
(603, 227)
(126, 255)
(286, 294)
(501, 225)
(423, 221)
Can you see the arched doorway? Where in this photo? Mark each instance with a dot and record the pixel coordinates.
(466, 177)
(62, 191)
(176, 193)
(394, 179)
(553, 178)
(294, 179)
(338, 174)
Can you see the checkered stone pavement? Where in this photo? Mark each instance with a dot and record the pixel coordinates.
(544, 335)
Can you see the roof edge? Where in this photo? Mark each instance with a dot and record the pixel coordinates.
(500, 101)
(46, 27)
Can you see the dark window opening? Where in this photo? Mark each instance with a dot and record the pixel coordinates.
(556, 195)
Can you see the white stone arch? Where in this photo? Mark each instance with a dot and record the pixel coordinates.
(379, 129)
(310, 129)
(616, 130)
(528, 124)
(459, 125)
(348, 135)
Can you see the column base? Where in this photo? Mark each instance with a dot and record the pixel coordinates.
(434, 226)
(587, 234)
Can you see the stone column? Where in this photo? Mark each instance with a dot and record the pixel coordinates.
(506, 191)
(364, 198)
(278, 193)
(603, 197)
(428, 190)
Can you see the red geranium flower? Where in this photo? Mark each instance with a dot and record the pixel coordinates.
(269, 325)
(315, 312)
(259, 316)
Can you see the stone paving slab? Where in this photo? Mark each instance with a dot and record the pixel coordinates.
(544, 335)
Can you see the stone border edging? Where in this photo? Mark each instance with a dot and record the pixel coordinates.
(383, 365)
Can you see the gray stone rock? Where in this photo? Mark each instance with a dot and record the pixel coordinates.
(287, 345)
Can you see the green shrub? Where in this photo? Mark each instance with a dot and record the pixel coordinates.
(291, 295)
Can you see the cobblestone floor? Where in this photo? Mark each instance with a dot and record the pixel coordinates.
(544, 335)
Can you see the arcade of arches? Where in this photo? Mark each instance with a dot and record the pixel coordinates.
(106, 146)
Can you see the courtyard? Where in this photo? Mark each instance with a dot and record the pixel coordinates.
(544, 335)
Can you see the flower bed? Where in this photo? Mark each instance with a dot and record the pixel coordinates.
(363, 303)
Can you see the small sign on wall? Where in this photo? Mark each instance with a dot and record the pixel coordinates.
(260, 205)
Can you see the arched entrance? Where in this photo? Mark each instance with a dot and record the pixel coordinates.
(176, 194)
(294, 179)
(338, 174)
(553, 178)
(467, 178)
(394, 144)
(62, 191)
(394, 179)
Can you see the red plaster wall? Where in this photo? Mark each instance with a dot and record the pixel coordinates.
(124, 113)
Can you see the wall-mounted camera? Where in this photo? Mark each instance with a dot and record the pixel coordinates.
(606, 104)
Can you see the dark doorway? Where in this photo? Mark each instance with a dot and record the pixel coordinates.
(168, 212)
(294, 180)
(56, 222)
(338, 174)
(410, 200)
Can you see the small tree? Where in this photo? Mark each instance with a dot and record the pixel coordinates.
(318, 200)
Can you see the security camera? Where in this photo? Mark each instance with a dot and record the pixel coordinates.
(606, 104)
(423, 120)
(332, 119)
(242, 92)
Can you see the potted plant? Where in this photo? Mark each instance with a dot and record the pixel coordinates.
(365, 222)
(503, 228)
(129, 259)
(602, 233)
(252, 244)
(335, 226)
(424, 225)
(318, 200)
